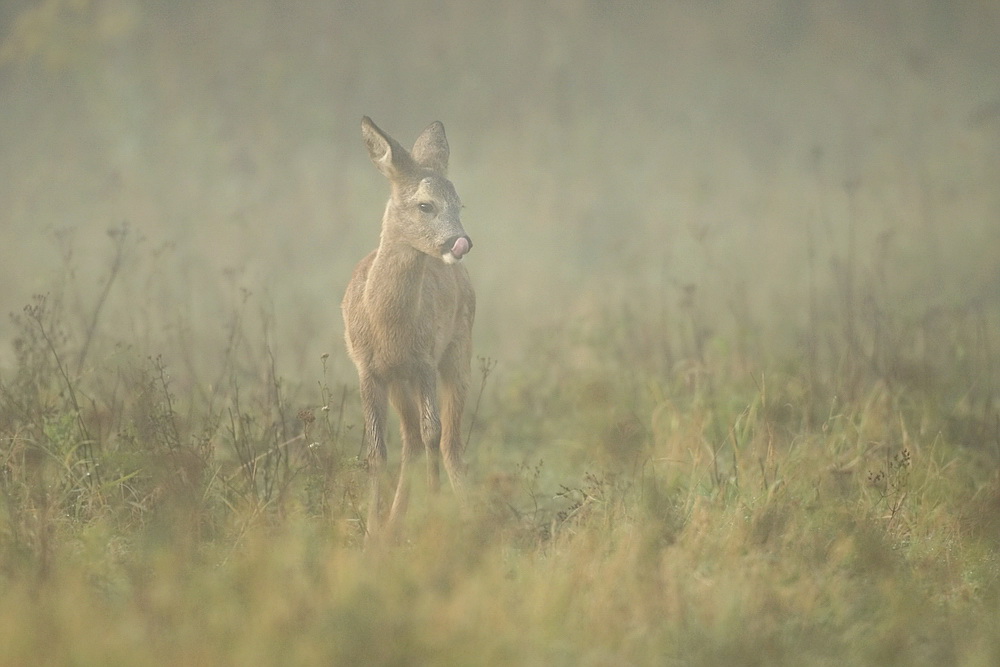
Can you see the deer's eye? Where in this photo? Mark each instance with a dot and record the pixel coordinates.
(426, 207)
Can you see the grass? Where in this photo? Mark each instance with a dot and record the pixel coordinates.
(732, 511)
(737, 398)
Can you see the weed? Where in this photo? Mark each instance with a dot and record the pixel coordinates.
(730, 410)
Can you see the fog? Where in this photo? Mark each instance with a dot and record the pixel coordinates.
(751, 153)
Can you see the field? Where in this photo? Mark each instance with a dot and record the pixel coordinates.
(736, 393)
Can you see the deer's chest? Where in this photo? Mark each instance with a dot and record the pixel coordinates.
(410, 328)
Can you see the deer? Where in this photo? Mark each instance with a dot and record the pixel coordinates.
(408, 314)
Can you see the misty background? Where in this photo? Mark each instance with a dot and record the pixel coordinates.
(627, 157)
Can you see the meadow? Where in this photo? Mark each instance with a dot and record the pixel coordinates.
(736, 371)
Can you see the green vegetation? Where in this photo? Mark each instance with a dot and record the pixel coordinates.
(737, 397)
(721, 513)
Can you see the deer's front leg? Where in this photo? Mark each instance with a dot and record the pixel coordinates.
(374, 405)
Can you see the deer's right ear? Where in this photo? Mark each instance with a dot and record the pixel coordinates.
(390, 158)
(431, 150)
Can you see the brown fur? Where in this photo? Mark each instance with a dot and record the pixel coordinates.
(408, 315)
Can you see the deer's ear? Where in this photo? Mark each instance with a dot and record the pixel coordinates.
(390, 158)
(431, 148)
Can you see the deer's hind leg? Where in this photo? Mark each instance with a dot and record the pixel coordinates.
(455, 371)
(430, 428)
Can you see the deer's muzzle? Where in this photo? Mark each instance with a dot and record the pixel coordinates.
(456, 248)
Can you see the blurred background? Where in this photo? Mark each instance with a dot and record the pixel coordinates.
(176, 164)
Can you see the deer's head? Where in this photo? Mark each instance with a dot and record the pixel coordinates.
(424, 211)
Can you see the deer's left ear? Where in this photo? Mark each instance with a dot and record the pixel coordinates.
(390, 158)
(431, 148)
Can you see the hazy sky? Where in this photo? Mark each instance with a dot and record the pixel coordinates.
(605, 151)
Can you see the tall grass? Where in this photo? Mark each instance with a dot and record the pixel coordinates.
(729, 509)
(737, 398)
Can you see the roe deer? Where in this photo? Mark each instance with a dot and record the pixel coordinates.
(408, 315)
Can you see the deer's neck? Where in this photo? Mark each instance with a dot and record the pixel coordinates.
(396, 279)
